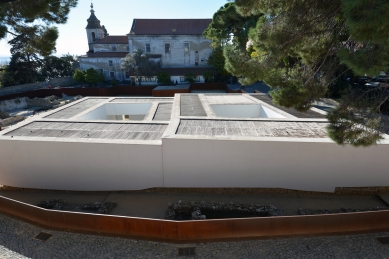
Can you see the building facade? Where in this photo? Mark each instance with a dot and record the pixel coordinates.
(176, 45)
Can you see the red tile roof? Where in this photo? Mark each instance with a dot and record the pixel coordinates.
(113, 40)
(105, 55)
(169, 26)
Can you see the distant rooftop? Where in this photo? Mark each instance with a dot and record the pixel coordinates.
(119, 39)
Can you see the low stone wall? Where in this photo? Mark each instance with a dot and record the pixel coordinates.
(47, 102)
(61, 81)
(11, 120)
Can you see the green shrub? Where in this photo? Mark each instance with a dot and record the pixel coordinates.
(190, 77)
(164, 78)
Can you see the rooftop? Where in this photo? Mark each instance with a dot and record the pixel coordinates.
(117, 39)
(211, 115)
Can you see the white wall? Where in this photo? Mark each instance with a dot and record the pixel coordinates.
(190, 163)
(80, 166)
(103, 63)
(177, 57)
(268, 113)
(105, 111)
(244, 111)
(127, 108)
(96, 114)
(272, 164)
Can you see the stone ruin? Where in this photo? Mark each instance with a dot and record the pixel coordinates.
(93, 207)
(6, 119)
(47, 102)
(194, 210)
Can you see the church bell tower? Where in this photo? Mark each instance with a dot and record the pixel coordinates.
(94, 31)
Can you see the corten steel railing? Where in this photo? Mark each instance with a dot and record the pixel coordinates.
(201, 230)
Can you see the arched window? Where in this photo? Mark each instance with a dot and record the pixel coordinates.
(93, 36)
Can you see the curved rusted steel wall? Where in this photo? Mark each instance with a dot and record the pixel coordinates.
(195, 231)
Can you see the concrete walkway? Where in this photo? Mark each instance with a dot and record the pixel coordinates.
(153, 204)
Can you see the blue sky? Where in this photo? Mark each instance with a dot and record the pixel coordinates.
(117, 17)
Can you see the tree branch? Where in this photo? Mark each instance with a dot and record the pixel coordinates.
(12, 33)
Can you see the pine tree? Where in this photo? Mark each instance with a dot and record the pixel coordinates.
(35, 19)
(300, 48)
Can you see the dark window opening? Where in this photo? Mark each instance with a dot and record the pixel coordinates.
(110, 63)
(112, 74)
(167, 47)
(148, 49)
(127, 74)
(113, 47)
(93, 36)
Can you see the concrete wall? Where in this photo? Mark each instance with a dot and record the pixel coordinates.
(80, 166)
(177, 57)
(309, 166)
(197, 163)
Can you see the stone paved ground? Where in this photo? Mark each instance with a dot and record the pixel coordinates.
(16, 241)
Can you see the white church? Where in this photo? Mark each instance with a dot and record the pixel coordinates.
(177, 45)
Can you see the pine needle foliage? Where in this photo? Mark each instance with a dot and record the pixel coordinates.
(302, 47)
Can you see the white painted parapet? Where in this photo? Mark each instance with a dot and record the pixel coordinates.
(299, 165)
(80, 166)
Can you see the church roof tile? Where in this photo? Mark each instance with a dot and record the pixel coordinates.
(121, 39)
